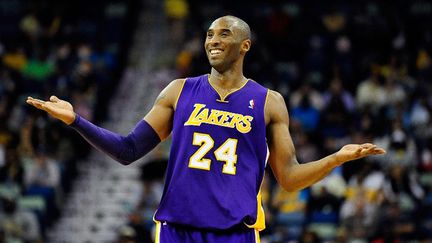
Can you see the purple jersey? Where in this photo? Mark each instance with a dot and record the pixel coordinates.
(217, 159)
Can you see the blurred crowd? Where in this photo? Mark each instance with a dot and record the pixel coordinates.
(350, 73)
(47, 48)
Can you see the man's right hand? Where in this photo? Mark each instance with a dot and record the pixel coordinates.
(56, 107)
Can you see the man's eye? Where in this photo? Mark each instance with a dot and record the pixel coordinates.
(209, 35)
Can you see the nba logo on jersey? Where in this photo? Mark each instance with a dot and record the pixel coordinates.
(251, 104)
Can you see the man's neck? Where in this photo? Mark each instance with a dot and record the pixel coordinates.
(229, 79)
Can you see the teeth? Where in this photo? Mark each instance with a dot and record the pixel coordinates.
(215, 51)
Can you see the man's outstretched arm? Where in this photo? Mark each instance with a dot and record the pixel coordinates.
(143, 138)
(289, 173)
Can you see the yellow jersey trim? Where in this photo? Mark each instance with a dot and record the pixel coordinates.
(223, 101)
(265, 103)
(259, 224)
(178, 96)
(222, 98)
(257, 237)
(158, 231)
(158, 228)
(260, 221)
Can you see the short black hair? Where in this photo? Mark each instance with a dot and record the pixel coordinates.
(245, 32)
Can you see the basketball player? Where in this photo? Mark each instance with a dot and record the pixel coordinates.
(224, 129)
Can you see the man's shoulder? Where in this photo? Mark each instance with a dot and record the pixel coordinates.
(275, 96)
(275, 103)
(197, 78)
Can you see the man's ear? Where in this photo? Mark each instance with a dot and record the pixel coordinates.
(246, 45)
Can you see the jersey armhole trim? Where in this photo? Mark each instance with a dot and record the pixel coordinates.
(180, 92)
(265, 103)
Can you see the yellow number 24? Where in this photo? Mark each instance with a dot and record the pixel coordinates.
(225, 153)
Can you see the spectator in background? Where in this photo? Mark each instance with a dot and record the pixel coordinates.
(277, 25)
(364, 198)
(402, 188)
(393, 92)
(64, 57)
(103, 61)
(337, 111)
(306, 104)
(309, 236)
(190, 51)
(326, 198)
(337, 91)
(359, 218)
(306, 91)
(366, 124)
(6, 135)
(343, 61)
(370, 92)
(127, 235)
(420, 117)
(334, 21)
(37, 71)
(290, 211)
(43, 179)
(426, 157)
(84, 102)
(370, 181)
(8, 86)
(141, 219)
(306, 149)
(43, 171)
(15, 58)
(25, 146)
(307, 115)
(18, 225)
(315, 64)
(177, 12)
(30, 26)
(397, 69)
(401, 148)
(424, 68)
(394, 225)
(12, 172)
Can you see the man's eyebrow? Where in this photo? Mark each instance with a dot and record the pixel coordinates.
(222, 30)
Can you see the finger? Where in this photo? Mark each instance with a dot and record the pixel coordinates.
(374, 151)
(48, 106)
(35, 100)
(372, 147)
(369, 150)
(35, 103)
(379, 151)
(54, 98)
(358, 151)
(367, 145)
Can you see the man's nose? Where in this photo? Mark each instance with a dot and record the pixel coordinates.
(214, 41)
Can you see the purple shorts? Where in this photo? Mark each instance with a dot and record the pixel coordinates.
(168, 233)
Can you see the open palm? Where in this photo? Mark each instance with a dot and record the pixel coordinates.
(357, 151)
(56, 107)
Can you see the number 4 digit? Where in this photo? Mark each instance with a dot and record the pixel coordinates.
(227, 152)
